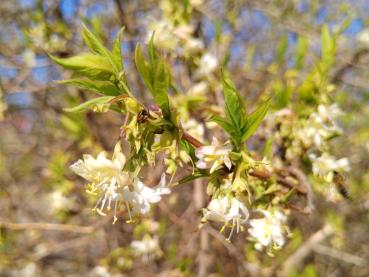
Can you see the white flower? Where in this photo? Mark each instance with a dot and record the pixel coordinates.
(104, 175)
(199, 89)
(140, 196)
(115, 185)
(148, 248)
(268, 231)
(326, 164)
(164, 36)
(229, 211)
(194, 128)
(208, 63)
(213, 156)
(58, 201)
(363, 37)
(100, 271)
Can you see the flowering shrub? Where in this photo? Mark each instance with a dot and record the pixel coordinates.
(249, 190)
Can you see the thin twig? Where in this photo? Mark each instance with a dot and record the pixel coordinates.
(47, 227)
(297, 258)
(340, 255)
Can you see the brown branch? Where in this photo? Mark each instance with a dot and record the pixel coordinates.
(187, 137)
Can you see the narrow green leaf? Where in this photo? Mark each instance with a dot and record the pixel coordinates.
(116, 52)
(226, 126)
(281, 48)
(160, 88)
(97, 47)
(301, 48)
(328, 48)
(105, 88)
(90, 103)
(235, 109)
(254, 120)
(89, 65)
(155, 76)
(142, 66)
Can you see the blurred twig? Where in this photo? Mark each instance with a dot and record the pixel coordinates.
(47, 227)
(297, 258)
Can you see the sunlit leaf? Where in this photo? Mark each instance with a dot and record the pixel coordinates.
(90, 104)
(89, 65)
(254, 120)
(102, 87)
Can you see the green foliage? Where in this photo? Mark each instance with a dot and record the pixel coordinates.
(328, 49)
(254, 119)
(301, 48)
(282, 48)
(155, 76)
(88, 65)
(94, 103)
(102, 87)
(237, 123)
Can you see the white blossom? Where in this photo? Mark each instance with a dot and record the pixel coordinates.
(148, 248)
(208, 63)
(114, 185)
(213, 156)
(320, 126)
(141, 196)
(326, 164)
(228, 211)
(269, 231)
(363, 37)
(194, 128)
(104, 175)
(164, 36)
(58, 201)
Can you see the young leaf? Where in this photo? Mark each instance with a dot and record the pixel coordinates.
(116, 52)
(90, 103)
(328, 48)
(301, 48)
(97, 46)
(89, 65)
(102, 87)
(282, 48)
(225, 125)
(142, 66)
(235, 108)
(254, 120)
(155, 76)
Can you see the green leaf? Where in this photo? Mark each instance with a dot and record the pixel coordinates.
(281, 48)
(97, 46)
(88, 65)
(155, 76)
(254, 120)
(90, 103)
(116, 52)
(301, 48)
(142, 66)
(235, 109)
(103, 87)
(328, 48)
(226, 126)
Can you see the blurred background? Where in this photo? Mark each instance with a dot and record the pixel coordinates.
(47, 227)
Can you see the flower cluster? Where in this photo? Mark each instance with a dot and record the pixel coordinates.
(148, 248)
(114, 185)
(269, 231)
